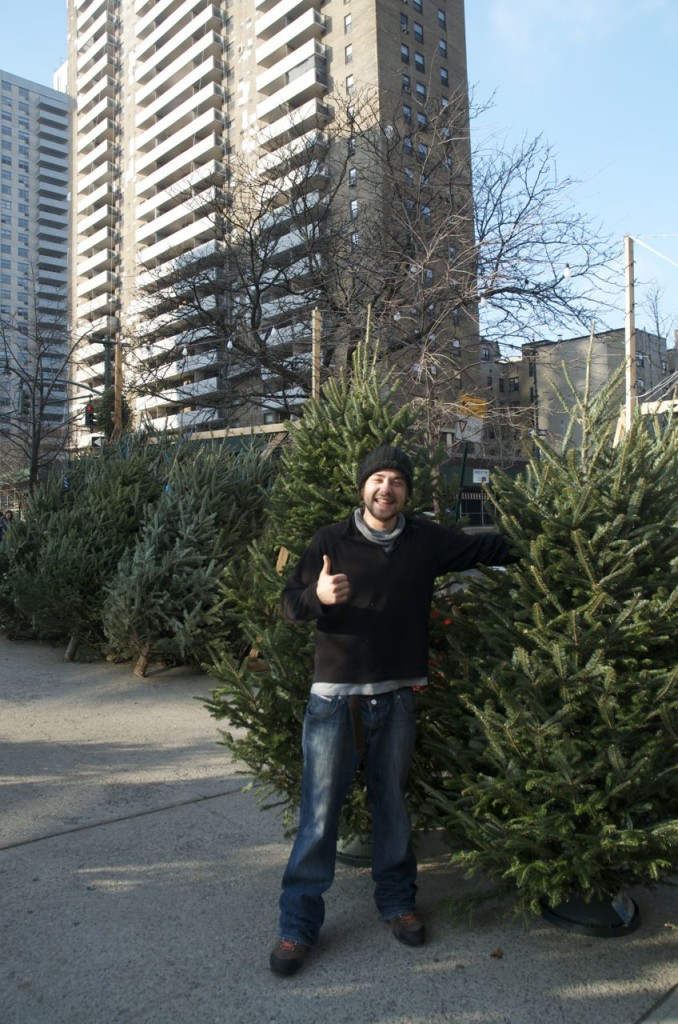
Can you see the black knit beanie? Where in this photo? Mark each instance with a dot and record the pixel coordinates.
(386, 457)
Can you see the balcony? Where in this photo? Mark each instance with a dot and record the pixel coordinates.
(181, 141)
(202, 102)
(280, 14)
(104, 194)
(308, 85)
(310, 25)
(292, 66)
(104, 23)
(180, 216)
(173, 245)
(106, 215)
(105, 106)
(183, 23)
(207, 150)
(210, 174)
(166, 57)
(105, 259)
(208, 72)
(103, 304)
(103, 67)
(106, 281)
(103, 153)
(105, 130)
(306, 147)
(210, 46)
(105, 172)
(104, 238)
(153, 12)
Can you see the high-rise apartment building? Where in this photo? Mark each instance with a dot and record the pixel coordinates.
(173, 99)
(34, 277)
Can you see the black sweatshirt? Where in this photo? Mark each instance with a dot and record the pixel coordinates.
(382, 632)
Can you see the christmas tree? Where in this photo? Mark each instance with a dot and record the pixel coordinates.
(552, 726)
(166, 584)
(74, 532)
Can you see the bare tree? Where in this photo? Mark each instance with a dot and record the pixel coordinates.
(391, 215)
(37, 350)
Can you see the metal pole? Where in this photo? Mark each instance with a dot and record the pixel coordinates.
(631, 398)
(457, 511)
(315, 355)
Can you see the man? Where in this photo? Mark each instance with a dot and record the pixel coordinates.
(368, 584)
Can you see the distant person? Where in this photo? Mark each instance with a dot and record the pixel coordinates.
(368, 583)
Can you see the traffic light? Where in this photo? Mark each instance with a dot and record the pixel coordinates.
(89, 416)
(24, 402)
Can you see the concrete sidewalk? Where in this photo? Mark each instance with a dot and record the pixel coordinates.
(139, 886)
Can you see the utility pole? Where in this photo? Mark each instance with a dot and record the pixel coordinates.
(117, 392)
(630, 334)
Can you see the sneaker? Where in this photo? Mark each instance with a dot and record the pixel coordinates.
(287, 957)
(408, 928)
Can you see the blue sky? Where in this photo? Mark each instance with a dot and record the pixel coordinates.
(596, 78)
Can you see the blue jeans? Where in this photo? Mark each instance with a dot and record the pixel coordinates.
(330, 764)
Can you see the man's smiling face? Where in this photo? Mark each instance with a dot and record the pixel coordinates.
(384, 496)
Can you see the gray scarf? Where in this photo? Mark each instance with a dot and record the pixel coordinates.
(386, 538)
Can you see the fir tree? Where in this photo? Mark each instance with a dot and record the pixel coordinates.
(74, 532)
(553, 726)
(263, 691)
(167, 582)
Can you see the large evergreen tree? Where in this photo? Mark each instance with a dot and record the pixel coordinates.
(553, 724)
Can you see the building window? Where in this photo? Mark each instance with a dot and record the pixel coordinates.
(407, 113)
(406, 83)
(422, 151)
(417, 5)
(444, 77)
(404, 53)
(351, 143)
(426, 212)
(354, 209)
(348, 54)
(348, 22)
(404, 23)
(442, 21)
(350, 85)
(409, 176)
(422, 120)
(421, 91)
(514, 384)
(485, 354)
(352, 177)
(640, 359)
(418, 32)
(354, 240)
(419, 62)
(407, 146)
(442, 46)
(428, 278)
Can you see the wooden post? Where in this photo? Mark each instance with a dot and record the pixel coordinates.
(117, 392)
(315, 354)
(631, 397)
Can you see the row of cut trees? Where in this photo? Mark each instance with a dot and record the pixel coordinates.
(123, 553)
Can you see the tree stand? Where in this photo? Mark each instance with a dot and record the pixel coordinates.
(604, 919)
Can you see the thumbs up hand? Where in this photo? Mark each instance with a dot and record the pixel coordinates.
(331, 589)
